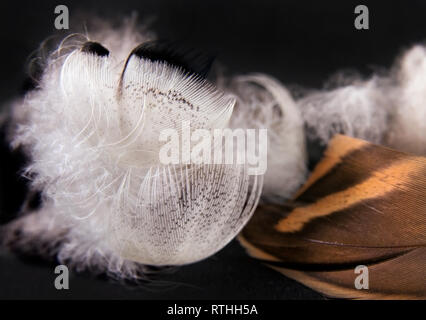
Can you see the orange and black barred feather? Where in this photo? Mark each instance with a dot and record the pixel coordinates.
(363, 205)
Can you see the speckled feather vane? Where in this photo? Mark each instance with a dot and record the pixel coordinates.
(95, 152)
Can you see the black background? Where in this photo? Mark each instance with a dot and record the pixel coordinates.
(299, 42)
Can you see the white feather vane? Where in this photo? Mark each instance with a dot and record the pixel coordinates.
(92, 131)
(262, 102)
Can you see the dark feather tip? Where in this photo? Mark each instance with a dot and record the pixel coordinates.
(191, 61)
(95, 48)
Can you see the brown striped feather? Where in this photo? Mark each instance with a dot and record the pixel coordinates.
(363, 205)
